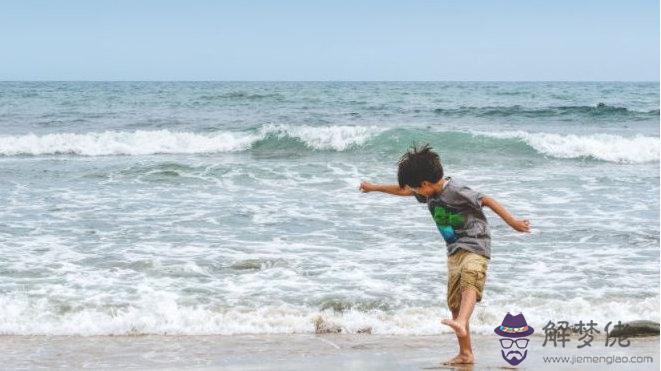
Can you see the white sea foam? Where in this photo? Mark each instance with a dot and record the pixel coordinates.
(607, 147)
(337, 137)
(139, 142)
(165, 316)
(145, 142)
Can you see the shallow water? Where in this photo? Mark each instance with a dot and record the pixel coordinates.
(223, 208)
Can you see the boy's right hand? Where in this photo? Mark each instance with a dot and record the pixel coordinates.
(521, 225)
(366, 186)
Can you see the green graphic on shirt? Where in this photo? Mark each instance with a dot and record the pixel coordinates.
(445, 217)
(446, 221)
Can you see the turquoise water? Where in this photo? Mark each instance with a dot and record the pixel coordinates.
(222, 208)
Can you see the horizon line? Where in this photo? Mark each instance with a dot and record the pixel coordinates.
(82, 80)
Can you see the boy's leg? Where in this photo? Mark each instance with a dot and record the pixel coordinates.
(466, 277)
(472, 268)
(465, 349)
(460, 324)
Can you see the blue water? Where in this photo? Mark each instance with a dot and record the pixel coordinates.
(221, 208)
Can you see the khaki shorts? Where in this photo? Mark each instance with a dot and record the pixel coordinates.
(465, 270)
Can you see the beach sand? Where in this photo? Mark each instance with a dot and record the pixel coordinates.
(294, 352)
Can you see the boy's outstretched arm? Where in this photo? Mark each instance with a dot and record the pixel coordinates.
(521, 225)
(392, 189)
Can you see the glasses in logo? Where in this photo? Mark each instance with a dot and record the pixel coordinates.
(507, 343)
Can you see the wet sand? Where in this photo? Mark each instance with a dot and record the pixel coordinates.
(294, 352)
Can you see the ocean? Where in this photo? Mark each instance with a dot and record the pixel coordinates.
(233, 207)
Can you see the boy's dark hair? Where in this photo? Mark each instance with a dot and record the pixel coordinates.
(417, 165)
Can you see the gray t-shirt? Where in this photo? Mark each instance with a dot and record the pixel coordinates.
(457, 212)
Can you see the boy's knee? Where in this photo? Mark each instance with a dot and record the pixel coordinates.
(473, 280)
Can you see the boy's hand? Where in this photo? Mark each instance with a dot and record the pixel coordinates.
(521, 225)
(366, 186)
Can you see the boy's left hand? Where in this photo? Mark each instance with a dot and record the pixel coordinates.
(366, 186)
(521, 225)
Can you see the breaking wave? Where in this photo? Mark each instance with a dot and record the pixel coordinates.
(604, 147)
(146, 142)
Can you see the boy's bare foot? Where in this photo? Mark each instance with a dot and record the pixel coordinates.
(458, 327)
(460, 359)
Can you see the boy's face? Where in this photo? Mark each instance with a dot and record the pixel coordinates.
(425, 189)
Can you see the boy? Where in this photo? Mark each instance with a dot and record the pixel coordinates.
(457, 211)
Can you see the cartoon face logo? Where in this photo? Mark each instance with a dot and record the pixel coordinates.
(514, 356)
(513, 334)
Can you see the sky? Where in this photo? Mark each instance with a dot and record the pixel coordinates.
(497, 40)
